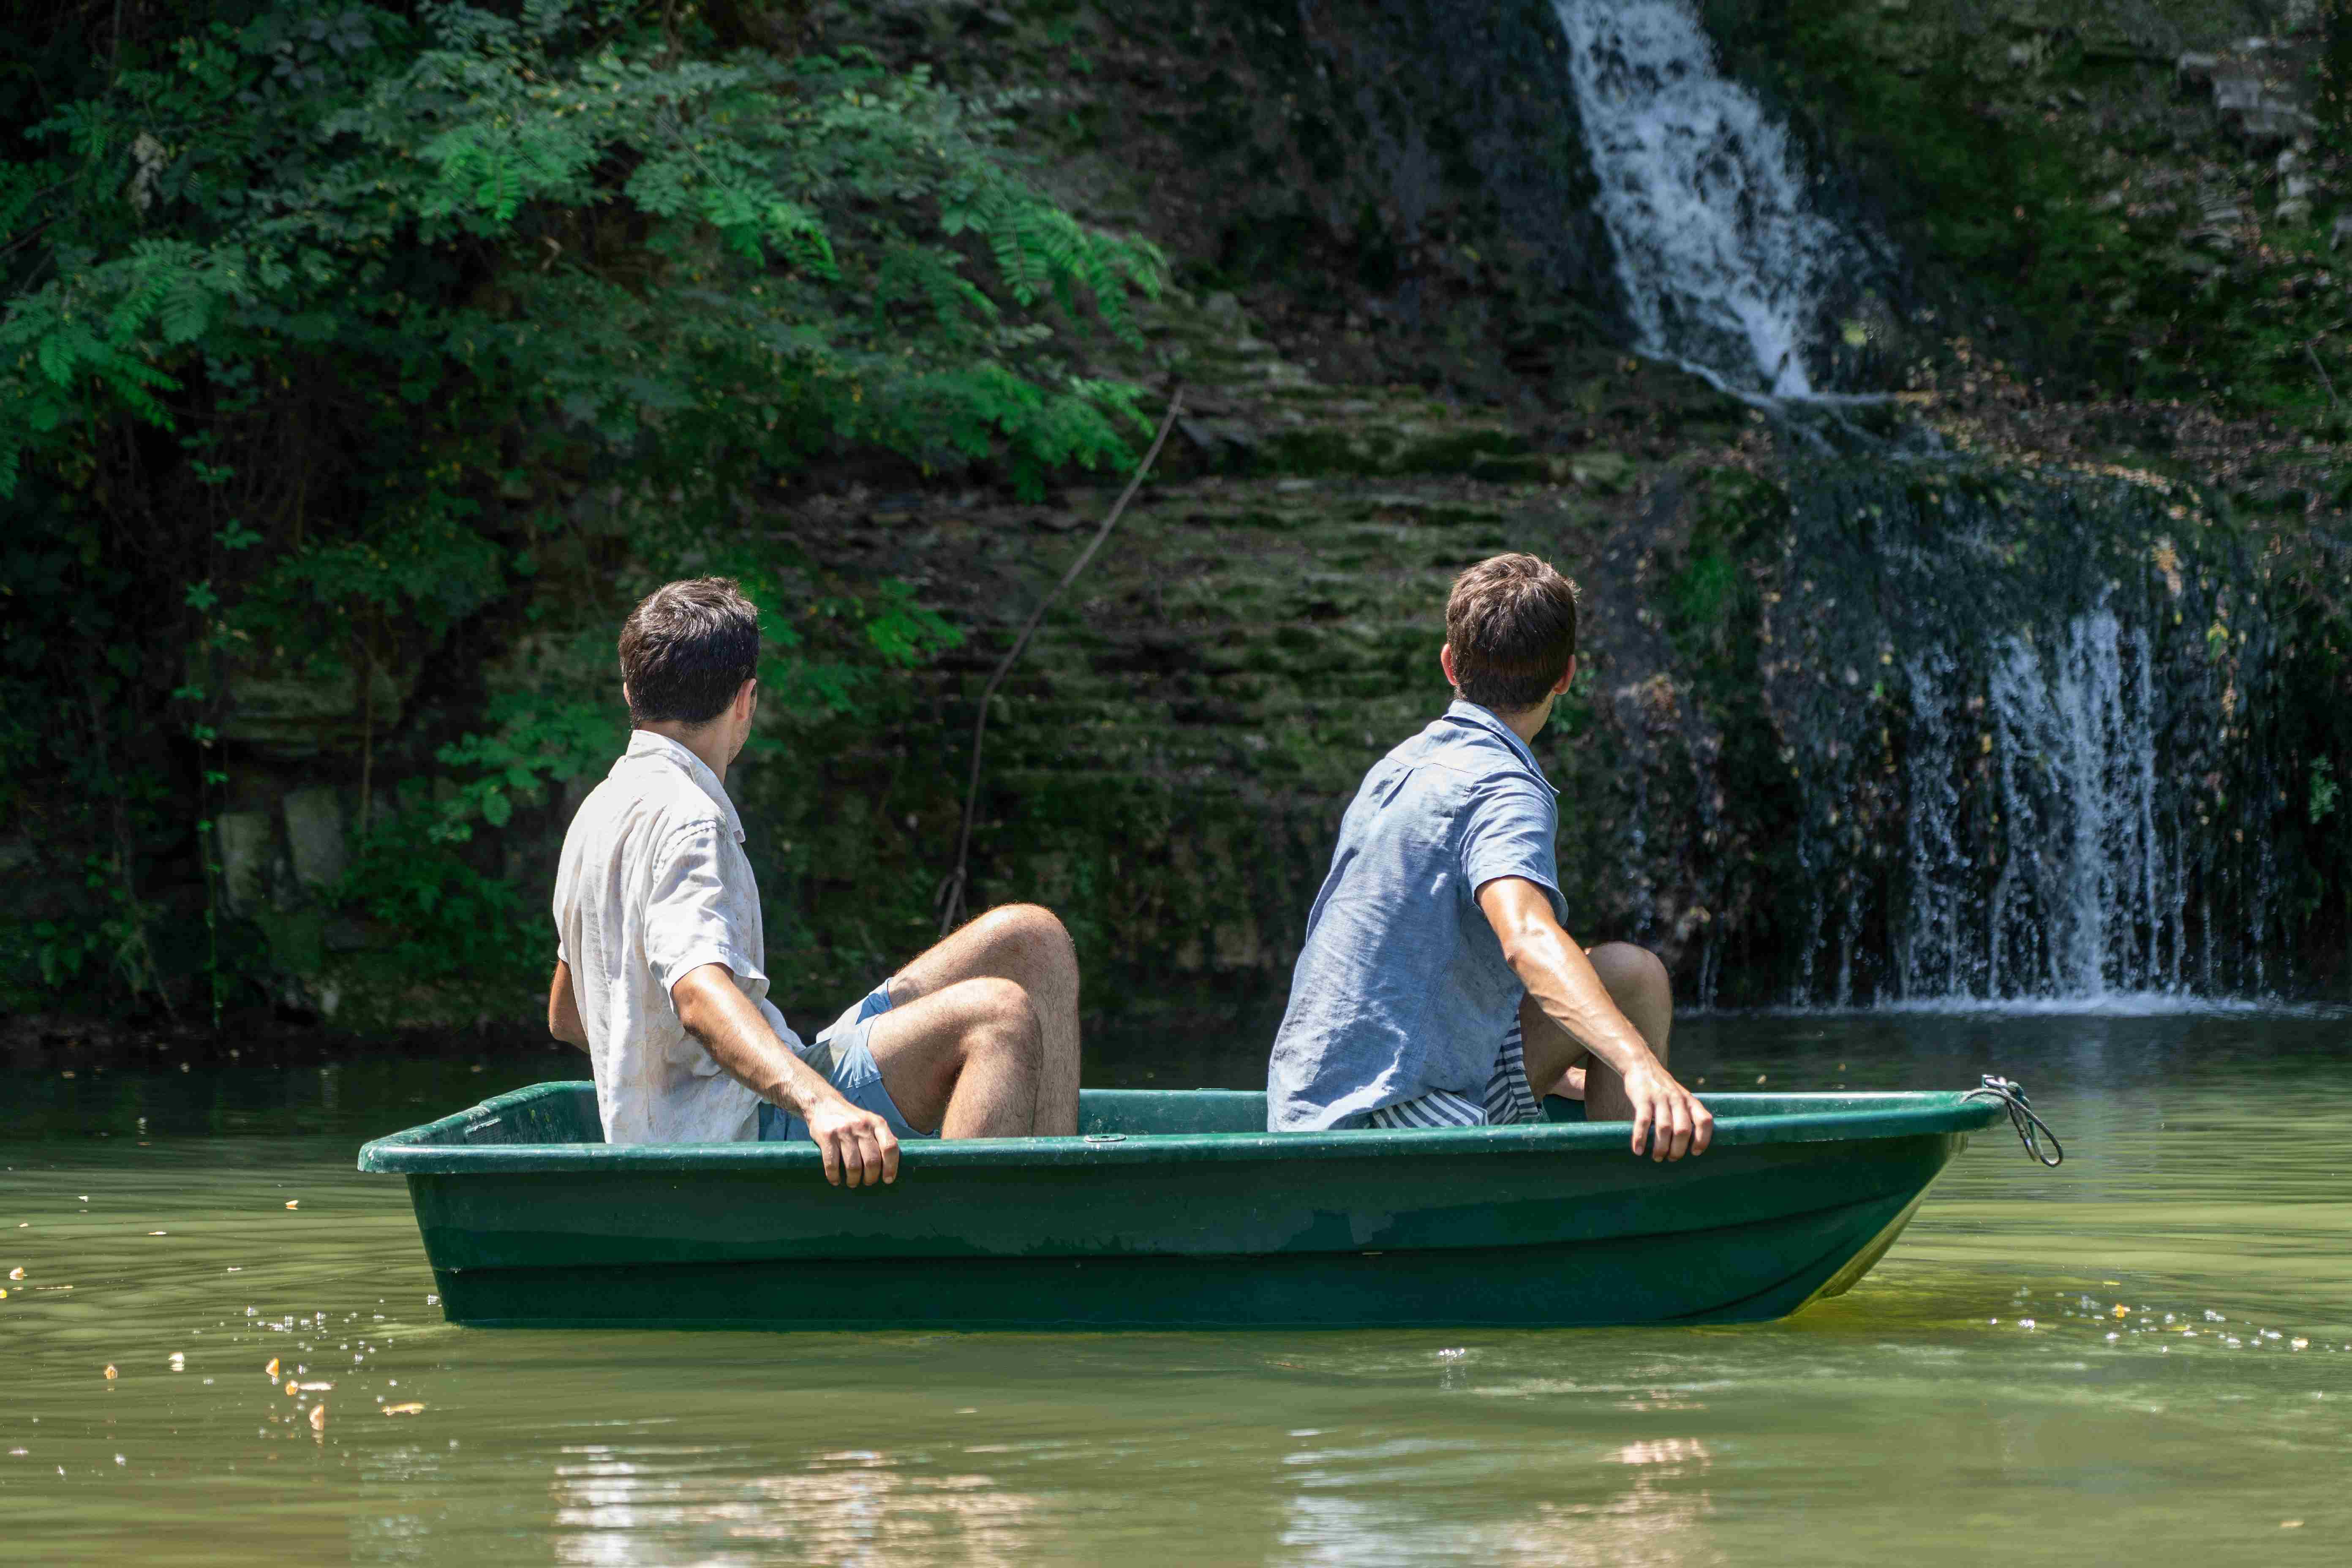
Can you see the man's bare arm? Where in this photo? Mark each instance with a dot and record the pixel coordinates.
(1555, 973)
(857, 1144)
(563, 1009)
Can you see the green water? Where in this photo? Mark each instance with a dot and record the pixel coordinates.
(1918, 1419)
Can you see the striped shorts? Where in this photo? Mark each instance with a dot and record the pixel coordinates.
(1508, 1097)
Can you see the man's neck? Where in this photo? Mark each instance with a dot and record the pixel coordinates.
(707, 742)
(1525, 722)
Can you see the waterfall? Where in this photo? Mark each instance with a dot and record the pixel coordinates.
(2016, 705)
(2086, 901)
(2044, 791)
(1725, 264)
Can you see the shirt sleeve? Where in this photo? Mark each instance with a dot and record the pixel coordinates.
(556, 911)
(688, 918)
(1511, 830)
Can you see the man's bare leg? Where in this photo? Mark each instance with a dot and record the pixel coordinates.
(965, 1060)
(1637, 983)
(1025, 944)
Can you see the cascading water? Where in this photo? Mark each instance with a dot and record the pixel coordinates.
(2043, 788)
(2011, 702)
(1725, 264)
(2088, 899)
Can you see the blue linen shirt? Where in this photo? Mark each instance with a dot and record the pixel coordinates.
(1401, 988)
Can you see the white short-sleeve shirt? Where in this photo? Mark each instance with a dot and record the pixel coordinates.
(654, 883)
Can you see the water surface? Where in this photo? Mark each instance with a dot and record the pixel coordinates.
(1977, 1397)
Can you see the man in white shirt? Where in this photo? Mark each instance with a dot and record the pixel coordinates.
(660, 971)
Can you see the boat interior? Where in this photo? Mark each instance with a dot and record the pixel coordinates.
(566, 1114)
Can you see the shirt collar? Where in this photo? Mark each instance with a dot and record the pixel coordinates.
(1461, 711)
(645, 743)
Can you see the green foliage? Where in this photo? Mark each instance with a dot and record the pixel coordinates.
(2011, 209)
(537, 740)
(444, 918)
(2332, 103)
(829, 659)
(691, 259)
(332, 330)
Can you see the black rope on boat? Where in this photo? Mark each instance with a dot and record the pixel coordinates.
(2030, 1129)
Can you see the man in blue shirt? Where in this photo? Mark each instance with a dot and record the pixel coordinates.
(1436, 986)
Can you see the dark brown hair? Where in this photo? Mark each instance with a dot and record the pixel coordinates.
(687, 649)
(1511, 622)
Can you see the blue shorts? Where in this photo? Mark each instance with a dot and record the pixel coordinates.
(841, 1055)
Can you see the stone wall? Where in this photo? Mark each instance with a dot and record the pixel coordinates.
(1168, 764)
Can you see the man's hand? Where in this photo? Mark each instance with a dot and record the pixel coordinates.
(1668, 1120)
(859, 1146)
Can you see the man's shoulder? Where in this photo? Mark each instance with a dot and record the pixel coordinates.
(644, 797)
(1453, 767)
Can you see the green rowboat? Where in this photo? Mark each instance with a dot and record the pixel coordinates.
(1171, 1210)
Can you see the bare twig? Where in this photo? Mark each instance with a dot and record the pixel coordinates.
(2322, 369)
(952, 892)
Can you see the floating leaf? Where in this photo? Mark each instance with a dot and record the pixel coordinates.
(293, 1203)
(111, 1373)
(413, 1407)
(318, 1418)
(272, 1368)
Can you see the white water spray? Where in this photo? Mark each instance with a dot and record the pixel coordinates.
(2087, 898)
(1721, 257)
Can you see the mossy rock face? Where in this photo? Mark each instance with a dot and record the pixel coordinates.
(1328, 450)
(1458, 451)
(1608, 472)
(1168, 765)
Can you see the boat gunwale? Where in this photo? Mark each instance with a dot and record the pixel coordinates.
(1881, 1114)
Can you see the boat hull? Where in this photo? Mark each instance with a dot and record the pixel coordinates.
(1551, 1225)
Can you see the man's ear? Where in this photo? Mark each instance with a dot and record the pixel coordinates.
(1445, 663)
(747, 698)
(1567, 677)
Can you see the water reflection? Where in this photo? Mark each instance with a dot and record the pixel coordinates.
(1644, 1504)
(1657, 1521)
(661, 1505)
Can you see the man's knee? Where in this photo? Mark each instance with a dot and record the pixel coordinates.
(1001, 1021)
(1636, 969)
(1033, 936)
(1637, 982)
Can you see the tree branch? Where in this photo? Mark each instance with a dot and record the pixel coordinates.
(952, 892)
